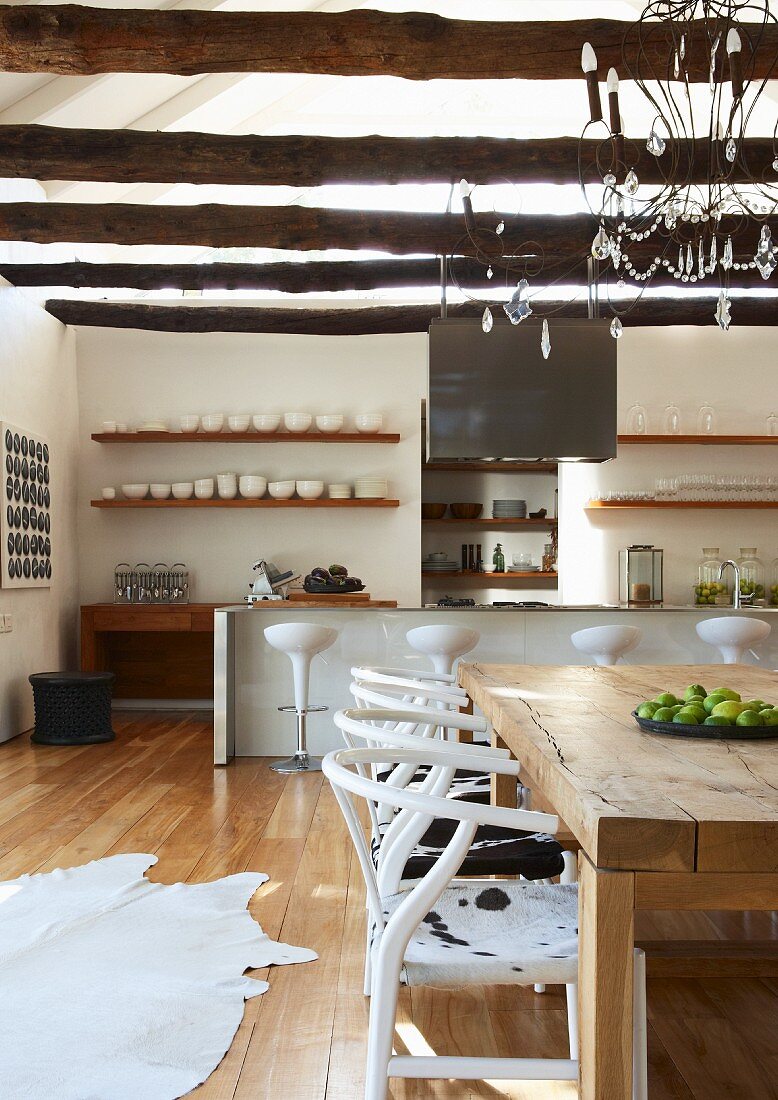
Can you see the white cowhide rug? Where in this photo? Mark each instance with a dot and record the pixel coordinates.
(116, 988)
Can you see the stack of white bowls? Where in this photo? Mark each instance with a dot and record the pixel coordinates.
(252, 486)
(370, 488)
(339, 491)
(227, 485)
(310, 490)
(369, 423)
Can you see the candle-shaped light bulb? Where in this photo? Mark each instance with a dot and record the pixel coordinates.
(588, 58)
(734, 44)
(735, 62)
(465, 188)
(589, 66)
(612, 81)
(614, 113)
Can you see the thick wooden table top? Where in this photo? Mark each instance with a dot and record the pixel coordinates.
(638, 801)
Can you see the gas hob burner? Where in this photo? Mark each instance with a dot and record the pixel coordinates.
(448, 601)
(519, 603)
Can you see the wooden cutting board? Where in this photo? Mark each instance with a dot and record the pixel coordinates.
(298, 595)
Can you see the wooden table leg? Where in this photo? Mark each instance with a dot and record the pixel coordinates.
(503, 786)
(606, 908)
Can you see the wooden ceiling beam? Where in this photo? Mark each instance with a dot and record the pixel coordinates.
(137, 156)
(562, 238)
(75, 40)
(374, 319)
(322, 276)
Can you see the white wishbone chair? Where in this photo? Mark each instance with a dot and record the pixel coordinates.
(448, 933)
(378, 674)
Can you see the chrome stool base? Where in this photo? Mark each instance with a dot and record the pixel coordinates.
(301, 761)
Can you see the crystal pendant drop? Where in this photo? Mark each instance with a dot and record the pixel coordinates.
(712, 257)
(723, 315)
(730, 150)
(726, 259)
(609, 179)
(601, 245)
(631, 182)
(487, 321)
(775, 165)
(616, 328)
(689, 259)
(500, 228)
(518, 308)
(489, 272)
(712, 74)
(701, 260)
(655, 144)
(765, 254)
(682, 49)
(545, 340)
(677, 65)
(680, 259)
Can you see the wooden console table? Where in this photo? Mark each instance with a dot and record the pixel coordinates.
(157, 651)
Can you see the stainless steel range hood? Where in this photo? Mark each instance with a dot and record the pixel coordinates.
(492, 396)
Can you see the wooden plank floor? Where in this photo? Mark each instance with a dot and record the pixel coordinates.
(155, 790)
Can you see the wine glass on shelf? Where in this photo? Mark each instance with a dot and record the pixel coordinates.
(672, 420)
(637, 421)
(706, 420)
(772, 424)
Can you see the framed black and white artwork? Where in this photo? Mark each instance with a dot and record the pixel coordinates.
(25, 524)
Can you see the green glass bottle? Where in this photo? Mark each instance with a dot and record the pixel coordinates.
(498, 559)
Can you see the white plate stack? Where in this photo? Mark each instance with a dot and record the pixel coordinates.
(509, 509)
(430, 565)
(370, 488)
(339, 491)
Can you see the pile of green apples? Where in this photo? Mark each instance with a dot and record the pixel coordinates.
(710, 593)
(720, 707)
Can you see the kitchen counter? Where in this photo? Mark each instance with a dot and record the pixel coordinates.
(251, 680)
(275, 605)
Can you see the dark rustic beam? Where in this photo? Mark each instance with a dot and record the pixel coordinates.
(373, 319)
(561, 237)
(76, 40)
(323, 276)
(137, 156)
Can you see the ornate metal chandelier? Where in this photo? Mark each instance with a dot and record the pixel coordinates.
(708, 214)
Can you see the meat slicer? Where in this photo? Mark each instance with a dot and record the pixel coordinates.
(269, 583)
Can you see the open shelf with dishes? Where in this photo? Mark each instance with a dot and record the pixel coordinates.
(529, 579)
(193, 502)
(245, 437)
(492, 524)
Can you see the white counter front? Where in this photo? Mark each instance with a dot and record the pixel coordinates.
(252, 680)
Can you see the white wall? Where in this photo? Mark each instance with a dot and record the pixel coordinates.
(134, 375)
(734, 371)
(38, 392)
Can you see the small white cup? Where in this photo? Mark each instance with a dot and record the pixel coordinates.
(203, 488)
(329, 423)
(212, 422)
(109, 493)
(189, 424)
(239, 423)
(297, 422)
(121, 426)
(109, 427)
(369, 423)
(160, 491)
(183, 490)
(266, 422)
(310, 490)
(252, 486)
(281, 490)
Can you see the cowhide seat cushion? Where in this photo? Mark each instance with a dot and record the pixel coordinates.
(472, 786)
(494, 851)
(507, 933)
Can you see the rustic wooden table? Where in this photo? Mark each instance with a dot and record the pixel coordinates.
(663, 822)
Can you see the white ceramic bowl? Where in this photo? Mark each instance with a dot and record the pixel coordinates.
(252, 486)
(189, 424)
(267, 422)
(135, 491)
(160, 491)
(183, 490)
(108, 427)
(213, 422)
(297, 422)
(109, 493)
(239, 422)
(369, 423)
(203, 488)
(329, 423)
(281, 490)
(310, 490)
(227, 490)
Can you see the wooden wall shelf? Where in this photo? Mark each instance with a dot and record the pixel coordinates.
(243, 437)
(494, 467)
(494, 580)
(494, 524)
(682, 504)
(193, 502)
(703, 440)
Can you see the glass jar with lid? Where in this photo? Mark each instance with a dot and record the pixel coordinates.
(709, 590)
(772, 594)
(751, 575)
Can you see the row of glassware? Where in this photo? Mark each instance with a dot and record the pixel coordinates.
(703, 487)
(672, 422)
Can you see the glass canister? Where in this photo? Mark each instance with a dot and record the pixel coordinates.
(709, 589)
(751, 575)
(772, 593)
(640, 575)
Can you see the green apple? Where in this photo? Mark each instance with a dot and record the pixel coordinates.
(694, 690)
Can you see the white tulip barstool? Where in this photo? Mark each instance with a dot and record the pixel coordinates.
(606, 644)
(733, 635)
(442, 644)
(300, 642)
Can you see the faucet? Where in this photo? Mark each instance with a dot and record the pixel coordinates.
(737, 598)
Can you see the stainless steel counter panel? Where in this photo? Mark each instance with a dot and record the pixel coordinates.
(252, 680)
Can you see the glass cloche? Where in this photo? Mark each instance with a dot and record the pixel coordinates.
(709, 590)
(751, 575)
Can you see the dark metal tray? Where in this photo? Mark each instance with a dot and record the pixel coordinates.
(333, 589)
(710, 733)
